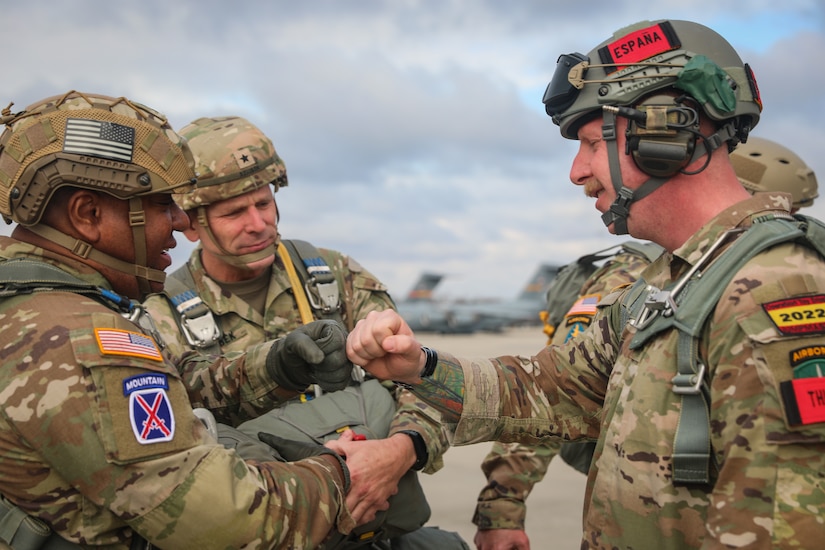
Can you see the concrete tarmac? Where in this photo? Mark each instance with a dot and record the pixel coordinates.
(554, 507)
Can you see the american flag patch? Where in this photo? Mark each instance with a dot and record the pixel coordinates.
(113, 341)
(99, 138)
(586, 305)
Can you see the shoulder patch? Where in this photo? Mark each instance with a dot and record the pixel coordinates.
(801, 315)
(804, 400)
(586, 305)
(115, 341)
(149, 409)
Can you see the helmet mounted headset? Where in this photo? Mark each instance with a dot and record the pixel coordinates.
(659, 76)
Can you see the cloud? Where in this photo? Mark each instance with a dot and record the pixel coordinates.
(412, 131)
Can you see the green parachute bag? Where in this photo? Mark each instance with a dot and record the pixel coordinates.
(367, 408)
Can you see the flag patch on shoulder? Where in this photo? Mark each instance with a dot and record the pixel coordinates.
(115, 341)
(801, 315)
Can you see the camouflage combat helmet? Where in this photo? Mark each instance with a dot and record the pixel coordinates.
(764, 165)
(232, 157)
(658, 76)
(112, 145)
(647, 57)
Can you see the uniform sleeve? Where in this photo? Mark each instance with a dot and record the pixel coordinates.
(99, 436)
(511, 470)
(414, 414)
(768, 337)
(557, 393)
(235, 386)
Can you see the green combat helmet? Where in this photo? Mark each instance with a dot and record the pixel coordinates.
(232, 157)
(764, 165)
(658, 75)
(90, 141)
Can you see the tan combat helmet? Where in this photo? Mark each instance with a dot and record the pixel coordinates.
(660, 76)
(764, 165)
(90, 141)
(232, 157)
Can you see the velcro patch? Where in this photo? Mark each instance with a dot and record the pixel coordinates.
(804, 400)
(586, 305)
(639, 46)
(149, 409)
(808, 362)
(575, 330)
(803, 315)
(115, 341)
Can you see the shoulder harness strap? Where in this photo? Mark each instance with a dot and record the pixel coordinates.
(26, 276)
(320, 285)
(195, 319)
(685, 306)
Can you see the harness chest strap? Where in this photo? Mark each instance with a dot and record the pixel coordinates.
(687, 313)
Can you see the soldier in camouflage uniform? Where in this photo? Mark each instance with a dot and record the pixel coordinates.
(512, 469)
(632, 381)
(100, 442)
(239, 272)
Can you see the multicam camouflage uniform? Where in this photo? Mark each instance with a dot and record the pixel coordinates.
(243, 327)
(512, 469)
(769, 490)
(72, 456)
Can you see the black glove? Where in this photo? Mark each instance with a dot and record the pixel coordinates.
(311, 354)
(292, 450)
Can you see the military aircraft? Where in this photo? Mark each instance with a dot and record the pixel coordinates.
(424, 313)
(494, 316)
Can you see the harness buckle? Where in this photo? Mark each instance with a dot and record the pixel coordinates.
(689, 384)
(325, 297)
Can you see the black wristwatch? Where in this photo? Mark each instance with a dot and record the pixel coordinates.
(430, 363)
(421, 454)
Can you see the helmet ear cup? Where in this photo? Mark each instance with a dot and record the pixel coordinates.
(660, 154)
(661, 135)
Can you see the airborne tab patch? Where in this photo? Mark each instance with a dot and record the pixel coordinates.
(808, 362)
(115, 341)
(802, 315)
(639, 46)
(149, 409)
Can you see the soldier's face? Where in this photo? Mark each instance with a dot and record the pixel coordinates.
(163, 217)
(242, 225)
(591, 167)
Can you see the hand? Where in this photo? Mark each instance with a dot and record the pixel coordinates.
(375, 466)
(386, 347)
(292, 451)
(502, 539)
(311, 354)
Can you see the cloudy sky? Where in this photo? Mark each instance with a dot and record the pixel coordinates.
(412, 130)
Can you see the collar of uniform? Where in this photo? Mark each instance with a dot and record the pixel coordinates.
(738, 215)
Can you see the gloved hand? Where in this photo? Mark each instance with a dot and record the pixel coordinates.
(311, 354)
(292, 450)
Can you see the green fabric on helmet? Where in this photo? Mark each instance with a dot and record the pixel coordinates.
(705, 81)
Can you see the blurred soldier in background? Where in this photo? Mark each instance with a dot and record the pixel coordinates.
(100, 442)
(512, 469)
(244, 285)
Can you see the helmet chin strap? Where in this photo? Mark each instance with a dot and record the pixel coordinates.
(142, 273)
(241, 261)
(619, 210)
